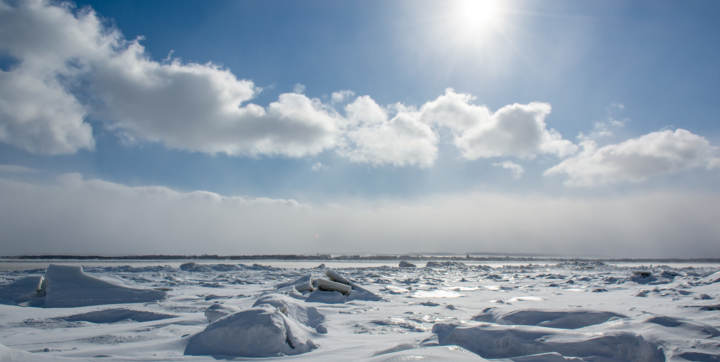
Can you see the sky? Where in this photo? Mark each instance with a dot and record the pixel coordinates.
(225, 127)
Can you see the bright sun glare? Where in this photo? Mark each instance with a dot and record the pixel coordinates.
(475, 20)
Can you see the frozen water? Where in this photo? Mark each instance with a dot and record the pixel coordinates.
(565, 311)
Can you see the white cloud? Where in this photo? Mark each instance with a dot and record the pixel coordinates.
(637, 159)
(341, 96)
(197, 107)
(516, 170)
(37, 113)
(73, 67)
(78, 215)
(517, 130)
(371, 136)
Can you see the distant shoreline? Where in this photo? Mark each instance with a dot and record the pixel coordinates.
(330, 257)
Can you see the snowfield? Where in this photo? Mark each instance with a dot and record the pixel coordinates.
(438, 311)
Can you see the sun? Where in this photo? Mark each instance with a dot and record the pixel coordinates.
(477, 14)
(475, 20)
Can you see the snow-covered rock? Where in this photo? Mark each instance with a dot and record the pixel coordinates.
(258, 332)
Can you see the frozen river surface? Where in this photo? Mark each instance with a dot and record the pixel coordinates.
(365, 310)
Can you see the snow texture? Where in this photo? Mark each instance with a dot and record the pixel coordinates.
(256, 332)
(69, 286)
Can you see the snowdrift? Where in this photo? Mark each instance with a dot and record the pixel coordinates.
(572, 319)
(69, 286)
(116, 315)
(257, 332)
(510, 342)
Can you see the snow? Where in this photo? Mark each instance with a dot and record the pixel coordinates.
(116, 315)
(572, 319)
(69, 286)
(557, 311)
(255, 332)
(503, 342)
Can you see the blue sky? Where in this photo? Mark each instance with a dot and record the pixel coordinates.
(373, 102)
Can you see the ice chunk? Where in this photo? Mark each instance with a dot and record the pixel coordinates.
(23, 290)
(306, 315)
(330, 286)
(256, 332)
(712, 278)
(336, 277)
(69, 286)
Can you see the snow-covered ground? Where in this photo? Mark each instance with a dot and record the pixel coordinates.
(579, 311)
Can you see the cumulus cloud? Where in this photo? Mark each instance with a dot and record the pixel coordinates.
(516, 170)
(77, 215)
(517, 130)
(372, 136)
(197, 107)
(637, 159)
(37, 113)
(72, 67)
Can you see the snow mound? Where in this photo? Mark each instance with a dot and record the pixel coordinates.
(553, 319)
(217, 311)
(116, 315)
(670, 322)
(256, 332)
(430, 353)
(69, 286)
(308, 316)
(503, 342)
(321, 296)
